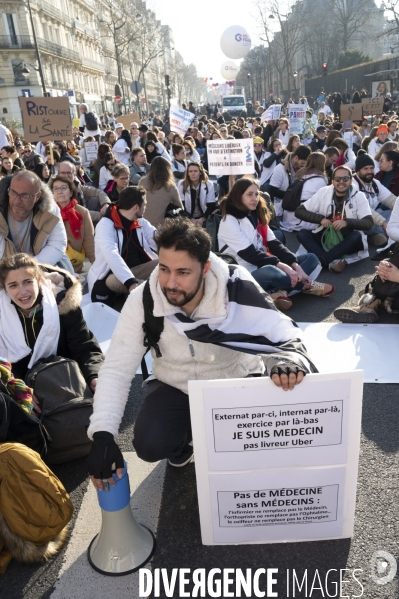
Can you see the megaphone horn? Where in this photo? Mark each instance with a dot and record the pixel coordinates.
(122, 545)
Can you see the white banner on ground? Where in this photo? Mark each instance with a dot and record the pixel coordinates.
(297, 118)
(180, 119)
(272, 113)
(273, 468)
(230, 157)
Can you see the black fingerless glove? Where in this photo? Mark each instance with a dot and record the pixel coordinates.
(286, 369)
(104, 452)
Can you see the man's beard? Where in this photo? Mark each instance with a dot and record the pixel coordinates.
(367, 178)
(186, 297)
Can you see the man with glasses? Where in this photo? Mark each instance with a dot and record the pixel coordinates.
(345, 209)
(30, 220)
(30, 158)
(381, 200)
(140, 166)
(95, 200)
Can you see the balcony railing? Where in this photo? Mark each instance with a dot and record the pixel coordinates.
(94, 64)
(48, 8)
(59, 50)
(16, 41)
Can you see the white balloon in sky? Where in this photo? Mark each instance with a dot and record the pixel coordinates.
(229, 70)
(235, 42)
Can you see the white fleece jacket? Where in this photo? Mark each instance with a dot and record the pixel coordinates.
(177, 366)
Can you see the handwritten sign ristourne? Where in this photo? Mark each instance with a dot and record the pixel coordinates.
(46, 119)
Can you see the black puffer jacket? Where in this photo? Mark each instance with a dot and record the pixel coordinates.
(76, 341)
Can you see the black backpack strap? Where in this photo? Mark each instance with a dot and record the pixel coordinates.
(152, 325)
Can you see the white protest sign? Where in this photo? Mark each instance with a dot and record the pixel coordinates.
(348, 137)
(272, 113)
(180, 119)
(230, 157)
(91, 148)
(297, 117)
(276, 466)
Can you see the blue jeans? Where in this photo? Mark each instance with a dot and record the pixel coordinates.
(377, 229)
(312, 243)
(271, 278)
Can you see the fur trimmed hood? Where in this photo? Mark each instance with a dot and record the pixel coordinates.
(66, 288)
(46, 203)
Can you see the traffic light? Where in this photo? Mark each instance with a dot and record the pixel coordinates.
(324, 66)
(167, 81)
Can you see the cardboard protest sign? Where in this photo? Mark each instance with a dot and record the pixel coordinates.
(230, 157)
(372, 106)
(46, 119)
(274, 471)
(272, 113)
(297, 118)
(351, 112)
(180, 119)
(126, 119)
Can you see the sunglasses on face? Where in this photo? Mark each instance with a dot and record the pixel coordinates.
(343, 179)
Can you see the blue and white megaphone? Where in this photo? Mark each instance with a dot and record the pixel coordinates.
(122, 545)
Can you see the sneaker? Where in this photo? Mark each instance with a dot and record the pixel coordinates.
(281, 301)
(320, 289)
(378, 240)
(180, 462)
(366, 313)
(337, 265)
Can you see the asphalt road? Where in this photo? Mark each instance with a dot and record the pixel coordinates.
(178, 537)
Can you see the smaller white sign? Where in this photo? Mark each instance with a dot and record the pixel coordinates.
(230, 157)
(91, 149)
(180, 119)
(348, 137)
(297, 118)
(272, 113)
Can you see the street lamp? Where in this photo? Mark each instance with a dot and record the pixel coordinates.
(40, 69)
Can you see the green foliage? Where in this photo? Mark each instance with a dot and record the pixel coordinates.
(350, 58)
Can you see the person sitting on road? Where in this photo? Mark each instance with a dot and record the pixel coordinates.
(120, 180)
(139, 165)
(190, 290)
(124, 248)
(345, 210)
(381, 200)
(284, 175)
(197, 193)
(40, 316)
(380, 138)
(94, 200)
(314, 177)
(346, 155)
(30, 220)
(388, 175)
(30, 157)
(78, 224)
(11, 152)
(332, 155)
(244, 234)
(318, 142)
(151, 151)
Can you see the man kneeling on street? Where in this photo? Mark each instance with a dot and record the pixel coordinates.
(202, 319)
(124, 248)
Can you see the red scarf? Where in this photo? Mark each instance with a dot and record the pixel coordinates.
(74, 218)
(262, 230)
(340, 161)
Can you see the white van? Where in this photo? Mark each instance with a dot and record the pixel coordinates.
(234, 106)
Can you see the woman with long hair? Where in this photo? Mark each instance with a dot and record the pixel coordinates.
(151, 151)
(388, 174)
(42, 171)
(103, 149)
(283, 132)
(40, 315)
(162, 151)
(161, 191)
(244, 233)
(77, 221)
(72, 148)
(197, 193)
(123, 147)
(314, 177)
(346, 154)
(293, 143)
(191, 153)
(110, 138)
(179, 162)
(332, 136)
(176, 139)
(106, 170)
